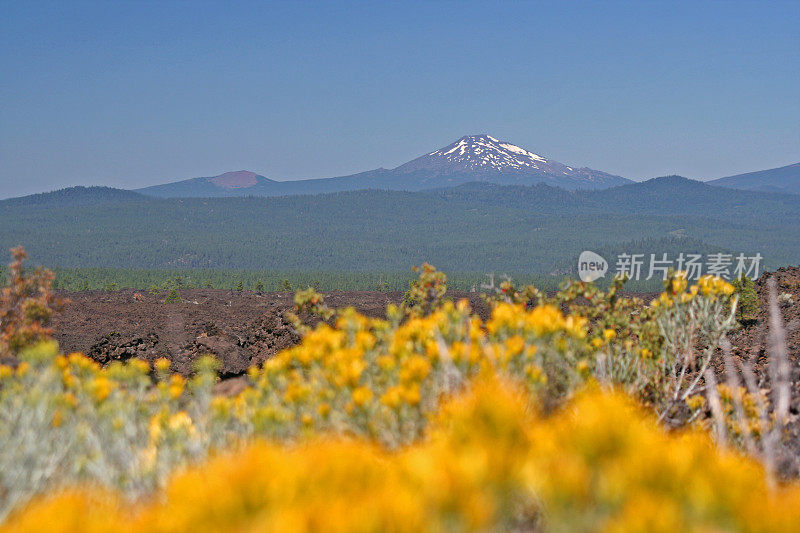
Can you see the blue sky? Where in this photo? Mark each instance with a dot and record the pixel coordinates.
(134, 94)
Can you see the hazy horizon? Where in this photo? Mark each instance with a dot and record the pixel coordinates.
(279, 179)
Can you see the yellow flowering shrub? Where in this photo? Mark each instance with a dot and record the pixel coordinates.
(380, 379)
(428, 419)
(63, 418)
(489, 463)
(693, 321)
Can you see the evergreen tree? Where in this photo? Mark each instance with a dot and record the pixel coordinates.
(747, 309)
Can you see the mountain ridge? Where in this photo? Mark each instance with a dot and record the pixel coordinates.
(671, 194)
(470, 158)
(781, 179)
(76, 195)
(476, 226)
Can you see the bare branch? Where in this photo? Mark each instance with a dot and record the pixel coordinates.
(716, 406)
(778, 358)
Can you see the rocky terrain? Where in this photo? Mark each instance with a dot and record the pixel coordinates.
(246, 328)
(240, 328)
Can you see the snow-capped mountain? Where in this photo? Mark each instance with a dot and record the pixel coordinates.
(470, 158)
(476, 152)
(489, 159)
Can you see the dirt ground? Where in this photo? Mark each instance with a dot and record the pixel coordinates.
(750, 342)
(240, 328)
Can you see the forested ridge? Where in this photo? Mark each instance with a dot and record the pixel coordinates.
(472, 228)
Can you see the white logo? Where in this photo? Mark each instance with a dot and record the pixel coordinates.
(591, 266)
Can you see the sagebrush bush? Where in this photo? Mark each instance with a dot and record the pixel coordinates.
(490, 463)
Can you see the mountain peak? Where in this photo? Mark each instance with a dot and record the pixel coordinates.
(478, 153)
(487, 152)
(238, 179)
(485, 137)
(483, 157)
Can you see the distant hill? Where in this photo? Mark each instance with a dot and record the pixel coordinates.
(472, 227)
(238, 183)
(783, 179)
(678, 195)
(75, 196)
(471, 158)
(668, 195)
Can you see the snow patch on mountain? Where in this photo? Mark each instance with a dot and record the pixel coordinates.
(481, 152)
(490, 159)
(475, 152)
